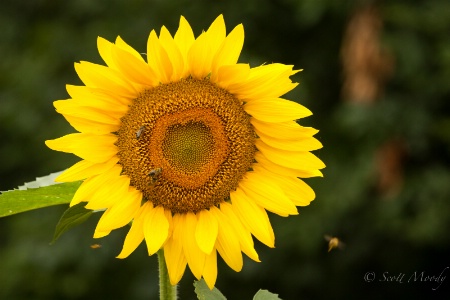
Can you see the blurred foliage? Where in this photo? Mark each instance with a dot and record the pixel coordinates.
(401, 232)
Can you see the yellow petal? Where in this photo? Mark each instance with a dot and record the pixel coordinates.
(206, 231)
(136, 233)
(210, 270)
(227, 242)
(267, 194)
(91, 96)
(73, 108)
(194, 256)
(100, 234)
(245, 238)
(200, 57)
(95, 184)
(78, 91)
(175, 56)
(253, 217)
(125, 206)
(267, 81)
(123, 45)
(84, 169)
(296, 189)
(105, 78)
(229, 51)
(158, 60)
(228, 75)
(91, 126)
(104, 48)
(173, 252)
(184, 38)
(102, 102)
(299, 144)
(284, 171)
(156, 229)
(203, 50)
(301, 160)
(276, 110)
(216, 33)
(168, 214)
(91, 147)
(284, 130)
(110, 193)
(133, 68)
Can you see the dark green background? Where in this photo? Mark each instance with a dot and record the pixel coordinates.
(404, 233)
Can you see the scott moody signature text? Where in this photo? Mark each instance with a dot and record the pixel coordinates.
(416, 276)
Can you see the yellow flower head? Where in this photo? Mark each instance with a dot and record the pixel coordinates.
(190, 146)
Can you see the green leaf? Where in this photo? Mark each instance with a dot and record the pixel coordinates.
(37, 194)
(41, 181)
(72, 217)
(204, 293)
(265, 295)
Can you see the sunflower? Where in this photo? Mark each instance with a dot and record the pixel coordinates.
(190, 146)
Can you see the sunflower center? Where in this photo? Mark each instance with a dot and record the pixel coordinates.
(188, 147)
(185, 145)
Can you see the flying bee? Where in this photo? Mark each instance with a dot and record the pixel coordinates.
(154, 175)
(140, 131)
(96, 246)
(334, 242)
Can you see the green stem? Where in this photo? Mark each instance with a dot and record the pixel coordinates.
(166, 290)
